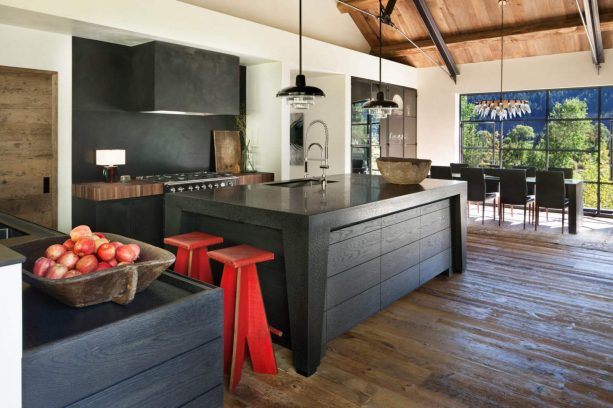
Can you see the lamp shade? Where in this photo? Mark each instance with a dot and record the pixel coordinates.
(113, 157)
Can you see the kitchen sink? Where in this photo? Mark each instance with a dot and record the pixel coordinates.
(308, 182)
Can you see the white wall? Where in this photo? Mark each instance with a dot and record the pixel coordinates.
(33, 49)
(11, 348)
(438, 109)
(335, 110)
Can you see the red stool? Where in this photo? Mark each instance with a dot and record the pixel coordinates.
(244, 315)
(192, 259)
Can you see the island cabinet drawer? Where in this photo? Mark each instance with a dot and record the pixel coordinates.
(354, 230)
(399, 235)
(353, 251)
(435, 222)
(351, 282)
(399, 285)
(434, 266)
(170, 384)
(400, 217)
(434, 244)
(439, 205)
(351, 312)
(399, 260)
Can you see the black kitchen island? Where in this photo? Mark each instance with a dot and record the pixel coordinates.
(341, 254)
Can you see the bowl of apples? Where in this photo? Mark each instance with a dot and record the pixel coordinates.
(87, 268)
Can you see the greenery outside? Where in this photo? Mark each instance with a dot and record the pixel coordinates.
(567, 138)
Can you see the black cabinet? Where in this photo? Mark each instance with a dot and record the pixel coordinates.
(162, 350)
(139, 218)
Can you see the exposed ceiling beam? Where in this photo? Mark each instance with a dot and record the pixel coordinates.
(386, 13)
(592, 20)
(530, 31)
(361, 4)
(437, 38)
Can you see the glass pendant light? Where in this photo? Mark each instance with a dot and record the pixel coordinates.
(300, 96)
(380, 108)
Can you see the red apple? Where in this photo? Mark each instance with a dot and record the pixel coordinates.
(71, 274)
(69, 260)
(135, 249)
(125, 254)
(106, 252)
(55, 251)
(57, 271)
(113, 262)
(116, 244)
(100, 241)
(103, 265)
(84, 246)
(99, 235)
(81, 231)
(41, 266)
(87, 264)
(68, 244)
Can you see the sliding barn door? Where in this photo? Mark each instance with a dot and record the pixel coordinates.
(28, 145)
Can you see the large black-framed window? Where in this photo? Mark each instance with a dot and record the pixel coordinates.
(568, 128)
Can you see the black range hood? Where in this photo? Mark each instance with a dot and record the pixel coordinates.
(174, 79)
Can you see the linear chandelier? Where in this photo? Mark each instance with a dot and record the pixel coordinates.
(502, 108)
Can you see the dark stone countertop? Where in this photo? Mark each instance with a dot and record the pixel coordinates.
(343, 192)
(10, 257)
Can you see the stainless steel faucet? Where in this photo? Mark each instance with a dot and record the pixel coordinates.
(323, 155)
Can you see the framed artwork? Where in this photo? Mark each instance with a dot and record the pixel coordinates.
(227, 145)
(296, 139)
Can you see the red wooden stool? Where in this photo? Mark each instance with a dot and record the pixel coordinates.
(192, 259)
(244, 315)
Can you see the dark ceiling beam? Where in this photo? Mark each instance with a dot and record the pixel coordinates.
(386, 13)
(437, 38)
(531, 31)
(592, 20)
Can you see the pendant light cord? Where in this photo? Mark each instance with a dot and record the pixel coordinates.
(300, 35)
(501, 46)
(380, 41)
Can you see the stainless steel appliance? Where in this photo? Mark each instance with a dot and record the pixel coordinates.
(194, 181)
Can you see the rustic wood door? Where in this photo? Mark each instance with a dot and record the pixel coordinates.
(28, 144)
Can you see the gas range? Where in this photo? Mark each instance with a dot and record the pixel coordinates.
(193, 181)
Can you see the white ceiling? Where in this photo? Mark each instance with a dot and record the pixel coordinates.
(320, 18)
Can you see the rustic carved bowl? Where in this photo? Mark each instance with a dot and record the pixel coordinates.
(398, 170)
(119, 284)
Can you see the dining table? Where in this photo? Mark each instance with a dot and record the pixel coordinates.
(574, 191)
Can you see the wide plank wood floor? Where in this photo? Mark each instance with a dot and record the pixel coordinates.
(528, 325)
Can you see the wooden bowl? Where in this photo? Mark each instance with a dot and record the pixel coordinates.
(118, 284)
(398, 170)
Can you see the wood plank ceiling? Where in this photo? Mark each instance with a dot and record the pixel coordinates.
(471, 29)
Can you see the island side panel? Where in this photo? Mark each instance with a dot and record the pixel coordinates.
(306, 271)
(457, 207)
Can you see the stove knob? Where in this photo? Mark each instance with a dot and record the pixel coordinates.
(230, 183)
(197, 187)
(222, 184)
(203, 186)
(180, 189)
(216, 185)
(172, 189)
(191, 188)
(210, 186)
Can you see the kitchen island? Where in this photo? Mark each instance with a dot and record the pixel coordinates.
(341, 253)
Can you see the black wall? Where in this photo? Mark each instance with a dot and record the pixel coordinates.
(154, 143)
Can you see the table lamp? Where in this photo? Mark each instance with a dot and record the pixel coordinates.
(110, 159)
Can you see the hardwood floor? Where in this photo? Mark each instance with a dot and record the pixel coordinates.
(528, 325)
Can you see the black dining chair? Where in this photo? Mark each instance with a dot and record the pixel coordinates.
(513, 191)
(456, 167)
(550, 193)
(568, 172)
(476, 189)
(492, 186)
(441, 172)
(530, 172)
